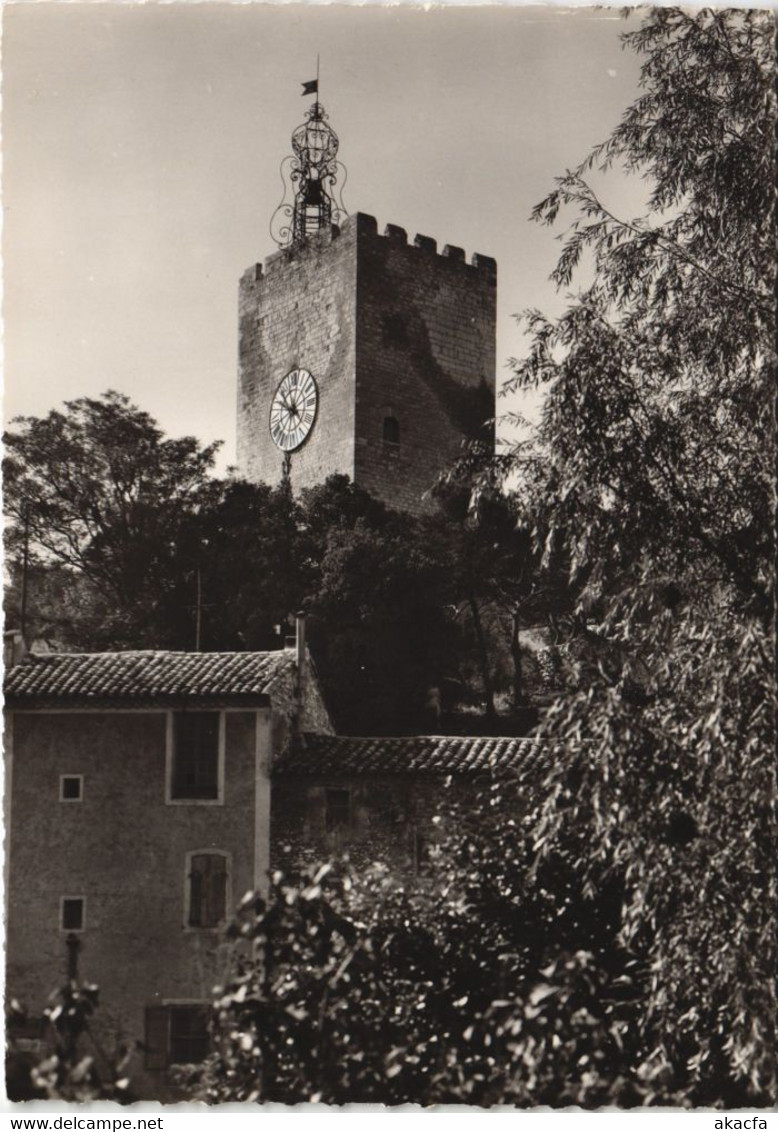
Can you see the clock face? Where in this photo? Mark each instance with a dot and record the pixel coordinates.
(293, 410)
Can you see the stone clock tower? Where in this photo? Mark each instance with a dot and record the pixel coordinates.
(360, 353)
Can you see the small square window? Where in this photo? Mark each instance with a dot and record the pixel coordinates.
(71, 787)
(72, 913)
(338, 815)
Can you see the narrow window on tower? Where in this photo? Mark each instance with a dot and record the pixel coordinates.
(391, 434)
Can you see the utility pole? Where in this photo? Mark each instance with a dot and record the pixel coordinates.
(25, 571)
(73, 945)
(199, 610)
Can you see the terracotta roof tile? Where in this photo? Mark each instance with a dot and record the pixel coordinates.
(143, 678)
(421, 754)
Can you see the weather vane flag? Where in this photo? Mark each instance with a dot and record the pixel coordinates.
(312, 86)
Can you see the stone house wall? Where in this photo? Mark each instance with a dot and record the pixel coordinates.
(125, 850)
(390, 819)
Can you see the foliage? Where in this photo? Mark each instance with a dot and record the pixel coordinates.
(379, 626)
(657, 424)
(356, 989)
(119, 537)
(614, 944)
(495, 571)
(255, 566)
(653, 466)
(97, 489)
(65, 1072)
(129, 542)
(61, 608)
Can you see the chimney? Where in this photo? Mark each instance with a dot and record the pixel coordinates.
(14, 648)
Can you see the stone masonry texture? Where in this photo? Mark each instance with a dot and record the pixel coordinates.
(124, 849)
(388, 328)
(388, 817)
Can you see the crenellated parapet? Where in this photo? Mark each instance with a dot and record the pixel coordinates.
(398, 336)
(363, 226)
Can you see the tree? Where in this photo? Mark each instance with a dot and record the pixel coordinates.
(53, 605)
(489, 982)
(97, 489)
(74, 1066)
(616, 943)
(379, 629)
(497, 572)
(653, 466)
(254, 564)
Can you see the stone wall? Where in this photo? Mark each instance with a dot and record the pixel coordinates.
(389, 330)
(125, 850)
(425, 358)
(299, 312)
(390, 819)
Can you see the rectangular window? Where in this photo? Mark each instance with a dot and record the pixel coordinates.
(72, 913)
(338, 813)
(207, 890)
(195, 769)
(177, 1035)
(189, 1037)
(71, 787)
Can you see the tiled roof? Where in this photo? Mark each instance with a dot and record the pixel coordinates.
(422, 754)
(144, 678)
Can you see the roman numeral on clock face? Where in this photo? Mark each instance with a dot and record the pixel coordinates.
(293, 410)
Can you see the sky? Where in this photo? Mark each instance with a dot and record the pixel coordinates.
(141, 154)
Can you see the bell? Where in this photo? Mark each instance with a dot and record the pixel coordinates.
(312, 193)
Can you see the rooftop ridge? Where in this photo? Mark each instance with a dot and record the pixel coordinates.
(333, 755)
(143, 674)
(429, 737)
(155, 652)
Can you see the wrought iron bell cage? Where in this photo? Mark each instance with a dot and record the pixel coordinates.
(313, 171)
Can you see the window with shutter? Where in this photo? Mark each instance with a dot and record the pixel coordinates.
(195, 770)
(176, 1034)
(157, 1036)
(189, 1036)
(207, 889)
